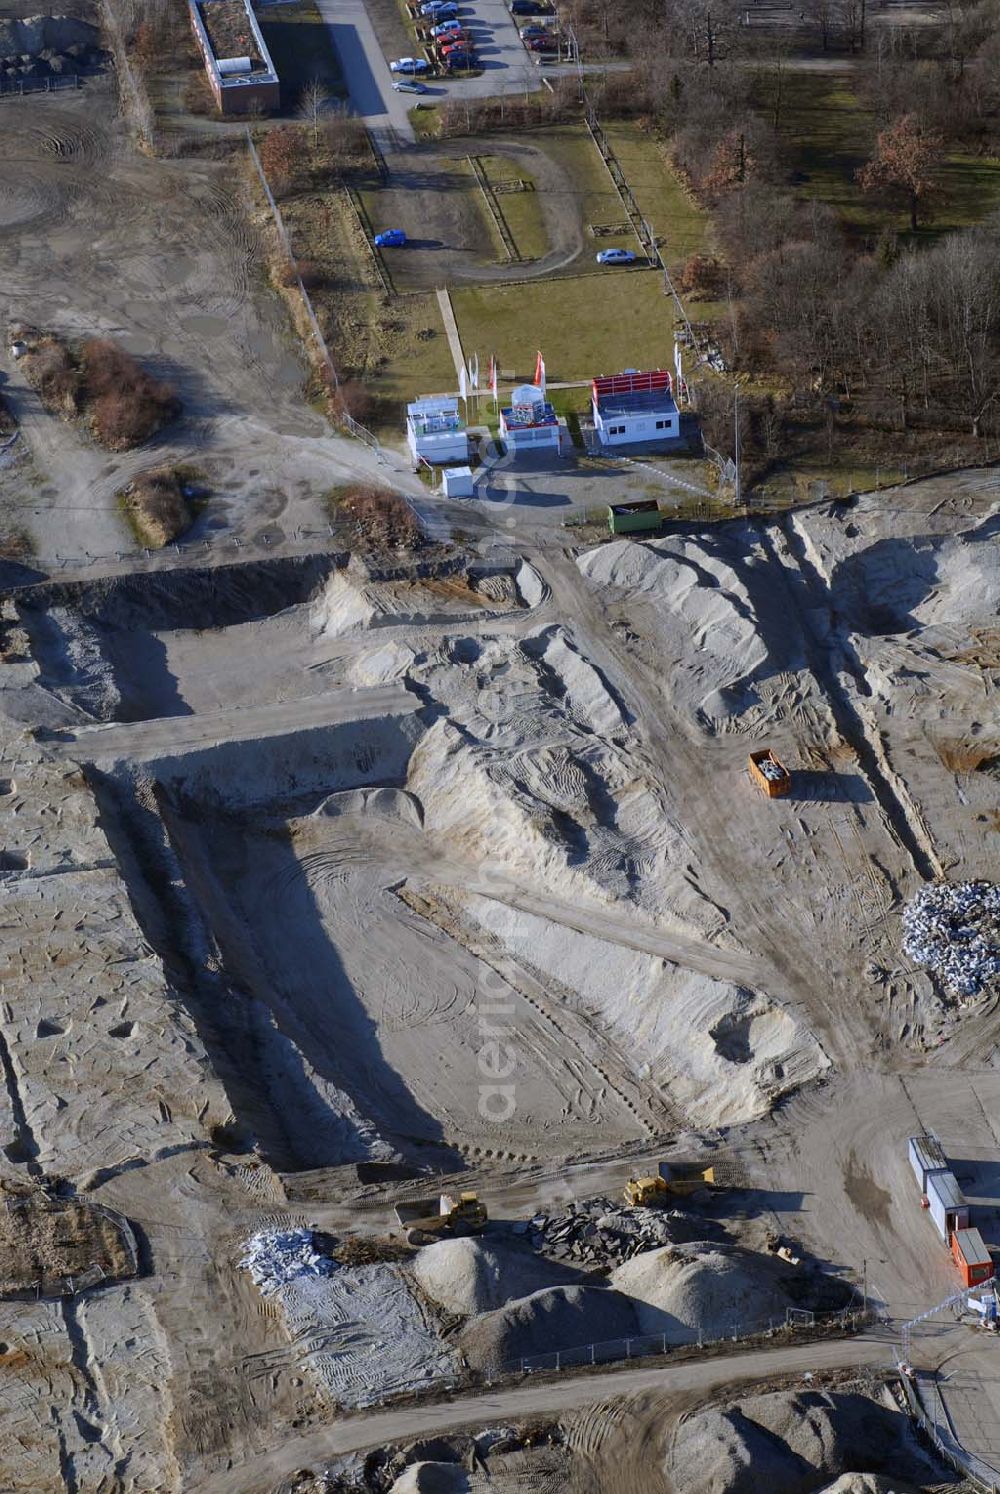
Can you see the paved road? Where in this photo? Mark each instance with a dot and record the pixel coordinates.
(506, 66)
(493, 1408)
(170, 736)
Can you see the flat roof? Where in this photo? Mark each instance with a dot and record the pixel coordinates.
(946, 1190)
(542, 415)
(928, 1149)
(974, 1252)
(641, 402)
(434, 404)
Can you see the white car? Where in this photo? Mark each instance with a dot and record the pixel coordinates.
(410, 65)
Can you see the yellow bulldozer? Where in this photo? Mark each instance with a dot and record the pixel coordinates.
(428, 1219)
(658, 1189)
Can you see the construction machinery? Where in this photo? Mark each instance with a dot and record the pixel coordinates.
(769, 774)
(672, 1181)
(428, 1219)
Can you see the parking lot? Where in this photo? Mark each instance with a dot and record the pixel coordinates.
(369, 37)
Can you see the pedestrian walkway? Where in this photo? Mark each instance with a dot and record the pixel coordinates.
(451, 331)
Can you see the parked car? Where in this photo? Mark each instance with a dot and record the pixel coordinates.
(527, 32)
(460, 62)
(616, 257)
(461, 52)
(441, 10)
(456, 39)
(445, 27)
(529, 8)
(412, 87)
(392, 238)
(409, 65)
(548, 43)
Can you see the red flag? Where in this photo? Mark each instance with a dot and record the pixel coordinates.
(539, 378)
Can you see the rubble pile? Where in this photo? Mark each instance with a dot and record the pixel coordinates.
(600, 1232)
(274, 1257)
(954, 929)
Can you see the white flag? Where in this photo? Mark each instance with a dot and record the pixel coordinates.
(463, 388)
(474, 371)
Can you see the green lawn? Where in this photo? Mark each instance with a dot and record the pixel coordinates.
(828, 135)
(416, 363)
(584, 324)
(521, 211)
(672, 213)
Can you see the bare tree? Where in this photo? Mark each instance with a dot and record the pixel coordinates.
(313, 104)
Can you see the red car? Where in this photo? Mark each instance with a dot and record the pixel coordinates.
(542, 43)
(451, 47)
(449, 43)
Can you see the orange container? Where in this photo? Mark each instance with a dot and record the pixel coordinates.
(770, 775)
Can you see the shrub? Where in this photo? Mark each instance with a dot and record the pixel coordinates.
(381, 518)
(49, 368)
(155, 504)
(126, 404)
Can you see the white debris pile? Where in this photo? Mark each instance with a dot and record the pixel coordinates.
(274, 1257)
(954, 929)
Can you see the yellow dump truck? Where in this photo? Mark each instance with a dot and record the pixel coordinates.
(428, 1219)
(770, 775)
(674, 1182)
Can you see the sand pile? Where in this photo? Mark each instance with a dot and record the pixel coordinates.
(588, 695)
(867, 1483)
(343, 606)
(702, 615)
(559, 1318)
(896, 585)
(793, 1442)
(719, 1051)
(705, 1290)
(471, 1276)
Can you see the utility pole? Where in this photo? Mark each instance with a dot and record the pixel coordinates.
(736, 446)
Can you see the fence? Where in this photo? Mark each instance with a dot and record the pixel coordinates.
(648, 241)
(354, 426)
(12, 88)
(643, 1346)
(938, 1429)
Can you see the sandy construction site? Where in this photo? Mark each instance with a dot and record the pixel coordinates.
(335, 878)
(292, 843)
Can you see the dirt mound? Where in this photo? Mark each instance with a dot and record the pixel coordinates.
(559, 1318)
(431, 1478)
(704, 1289)
(32, 35)
(471, 1276)
(794, 1442)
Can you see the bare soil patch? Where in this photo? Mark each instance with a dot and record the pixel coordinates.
(46, 1242)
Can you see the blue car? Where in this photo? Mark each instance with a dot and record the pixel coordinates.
(445, 27)
(393, 238)
(440, 10)
(616, 257)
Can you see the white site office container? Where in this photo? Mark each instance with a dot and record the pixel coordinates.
(948, 1207)
(926, 1157)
